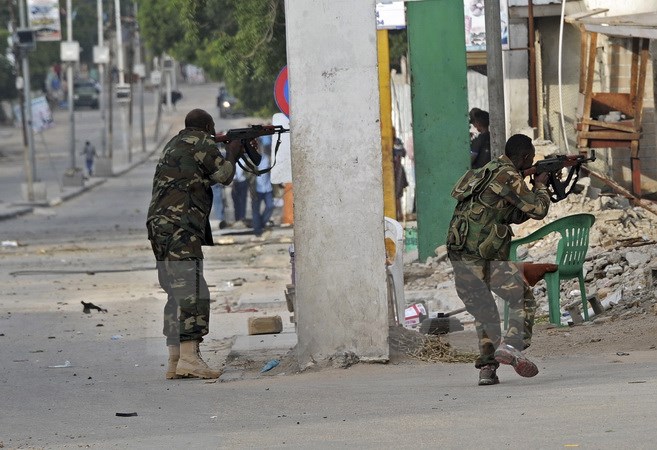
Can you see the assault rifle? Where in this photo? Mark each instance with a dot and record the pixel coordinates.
(558, 188)
(251, 157)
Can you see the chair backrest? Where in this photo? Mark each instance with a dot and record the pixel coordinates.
(574, 243)
(572, 247)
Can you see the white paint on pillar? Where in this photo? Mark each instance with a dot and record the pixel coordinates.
(337, 176)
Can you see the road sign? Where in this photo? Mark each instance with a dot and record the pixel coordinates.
(123, 93)
(282, 93)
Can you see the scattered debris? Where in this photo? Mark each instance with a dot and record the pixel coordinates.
(61, 366)
(87, 307)
(344, 360)
(443, 323)
(265, 325)
(621, 279)
(270, 365)
(424, 347)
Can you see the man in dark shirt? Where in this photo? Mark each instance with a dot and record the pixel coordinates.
(480, 145)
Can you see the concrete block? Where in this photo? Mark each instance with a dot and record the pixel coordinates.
(596, 305)
(73, 178)
(39, 192)
(575, 315)
(265, 325)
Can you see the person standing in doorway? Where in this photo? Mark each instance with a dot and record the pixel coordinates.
(480, 145)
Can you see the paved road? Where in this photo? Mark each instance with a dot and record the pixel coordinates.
(93, 248)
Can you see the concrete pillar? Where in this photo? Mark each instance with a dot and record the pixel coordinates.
(436, 30)
(337, 176)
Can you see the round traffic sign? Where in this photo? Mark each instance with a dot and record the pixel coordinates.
(281, 92)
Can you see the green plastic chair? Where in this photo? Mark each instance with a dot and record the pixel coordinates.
(571, 253)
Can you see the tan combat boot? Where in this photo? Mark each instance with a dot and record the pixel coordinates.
(174, 355)
(191, 364)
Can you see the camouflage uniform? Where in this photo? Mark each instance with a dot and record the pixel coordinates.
(178, 225)
(489, 199)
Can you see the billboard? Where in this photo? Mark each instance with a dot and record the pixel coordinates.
(475, 25)
(41, 115)
(43, 18)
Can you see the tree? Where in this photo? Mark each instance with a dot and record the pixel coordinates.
(7, 73)
(241, 42)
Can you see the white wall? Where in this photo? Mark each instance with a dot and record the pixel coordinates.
(337, 177)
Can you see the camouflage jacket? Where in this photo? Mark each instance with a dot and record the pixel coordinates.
(489, 200)
(189, 165)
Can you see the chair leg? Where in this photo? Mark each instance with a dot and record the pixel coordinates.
(554, 297)
(582, 289)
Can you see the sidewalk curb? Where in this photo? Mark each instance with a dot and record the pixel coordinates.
(17, 210)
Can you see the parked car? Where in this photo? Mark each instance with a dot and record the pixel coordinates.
(86, 93)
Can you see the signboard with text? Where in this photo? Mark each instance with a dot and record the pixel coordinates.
(43, 17)
(475, 25)
(390, 16)
(41, 115)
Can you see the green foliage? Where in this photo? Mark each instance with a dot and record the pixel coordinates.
(161, 25)
(7, 80)
(241, 42)
(398, 47)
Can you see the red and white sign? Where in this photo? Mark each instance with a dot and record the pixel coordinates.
(282, 92)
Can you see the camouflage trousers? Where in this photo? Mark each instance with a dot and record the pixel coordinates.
(475, 280)
(180, 273)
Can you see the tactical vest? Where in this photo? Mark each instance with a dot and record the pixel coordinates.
(477, 228)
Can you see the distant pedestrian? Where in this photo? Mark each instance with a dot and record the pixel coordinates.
(401, 182)
(262, 192)
(89, 152)
(240, 189)
(218, 205)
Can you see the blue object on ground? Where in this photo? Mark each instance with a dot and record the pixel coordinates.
(270, 365)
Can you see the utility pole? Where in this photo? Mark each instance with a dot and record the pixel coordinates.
(140, 70)
(103, 54)
(70, 85)
(30, 160)
(122, 90)
(495, 72)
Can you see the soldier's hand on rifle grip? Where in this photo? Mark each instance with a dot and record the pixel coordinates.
(541, 179)
(234, 149)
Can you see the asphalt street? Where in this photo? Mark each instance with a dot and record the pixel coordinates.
(66, 374)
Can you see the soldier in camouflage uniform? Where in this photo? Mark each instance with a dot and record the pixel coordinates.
(178, 225)
(489, 200)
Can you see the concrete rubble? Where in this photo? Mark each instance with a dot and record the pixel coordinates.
(620, 268)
